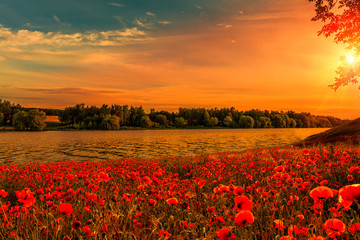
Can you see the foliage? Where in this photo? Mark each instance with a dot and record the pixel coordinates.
(275, 193)
(33, 120)
(110, 122)
(7, 110)
(341, 19)
(115, 117)
(213, 122)
(1, 118)
(180, 122)
(228, 121)
(246, 122)
(92, 117)
(145, 122)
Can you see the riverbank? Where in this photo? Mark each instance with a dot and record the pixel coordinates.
(57, 126)
(263, 193)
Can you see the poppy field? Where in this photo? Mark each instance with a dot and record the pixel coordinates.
(276, 193)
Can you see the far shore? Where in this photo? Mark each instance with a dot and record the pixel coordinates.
(57, 126)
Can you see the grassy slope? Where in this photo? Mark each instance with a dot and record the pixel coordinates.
(348, 129)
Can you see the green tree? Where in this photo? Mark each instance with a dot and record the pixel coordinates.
(1, 118)
(145, 122)
(278, 121)
(213, 122)
(180, 122)
(246, 122)
(228, 122)
(20, 121)
(264, 122)
(292, 123)
(33, 120)
(205, 118)
(161, 119)
(110, 122)
(341, 19)
(37, 120)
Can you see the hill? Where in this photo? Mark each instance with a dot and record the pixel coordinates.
(343, 131)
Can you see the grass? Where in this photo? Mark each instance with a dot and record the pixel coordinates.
(257, 194)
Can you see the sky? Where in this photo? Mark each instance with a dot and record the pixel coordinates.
(166, 54)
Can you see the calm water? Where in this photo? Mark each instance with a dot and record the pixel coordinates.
(19, 147)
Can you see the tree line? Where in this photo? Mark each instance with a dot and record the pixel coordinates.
(117, 116)
(21, 118)
(121, 116)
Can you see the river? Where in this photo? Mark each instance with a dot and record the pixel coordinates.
(23, 147)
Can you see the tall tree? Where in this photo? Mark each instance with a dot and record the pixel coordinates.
(341, 19)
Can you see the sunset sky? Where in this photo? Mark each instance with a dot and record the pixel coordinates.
(262, 54)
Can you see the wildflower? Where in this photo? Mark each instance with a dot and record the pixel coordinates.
(279, 224)
(3, 193)
(354, 228)
(279, 169)
(306, 151)
(172, 201)
(88, 231)
(243, 217)
(104, 177)
(238, 190)
(76, 225)
(104, 228)
(242, 203)
(348, 194)
(350, 177)
(225, 234)
(295, 231)
(152, 202)
(164, 234)
(65, 208)
(334, 227)
(26, 197)
(222, 189)
(324, 182)
(317, 238)
(321, 193)
(39, 191)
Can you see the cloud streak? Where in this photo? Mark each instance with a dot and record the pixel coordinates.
(24, 37)
(69, 91)
(116, 4)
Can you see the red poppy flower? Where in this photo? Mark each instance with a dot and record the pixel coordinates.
(295, 231)
(354, 228)
(3, 193)
(26, 197)
(104, 228)
(164, 234)
(65, 208)
(348, 194)
(242, 203)
(350, 177)
(104, 177)
(76, 225)
(334, 227)
(238, 190)
(152, 202)
(317, 238)
(172, 201)
(243, 217)
(225, 234)
(279, 224)
(321, 193)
